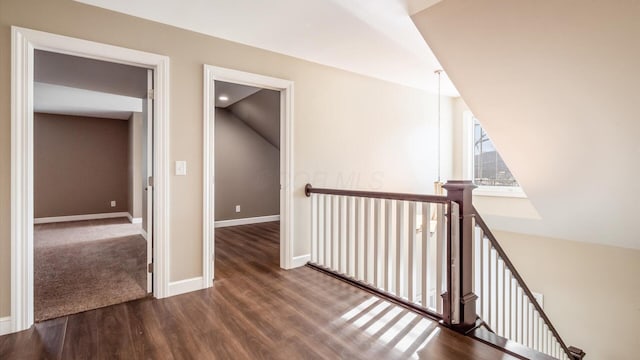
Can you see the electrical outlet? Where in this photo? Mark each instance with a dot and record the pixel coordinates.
(113, 203)
(237, 208)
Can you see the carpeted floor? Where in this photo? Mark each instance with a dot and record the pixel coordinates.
(86, 265)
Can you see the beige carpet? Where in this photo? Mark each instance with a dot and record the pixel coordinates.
(86, 265)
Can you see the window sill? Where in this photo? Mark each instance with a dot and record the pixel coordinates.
(512, 192)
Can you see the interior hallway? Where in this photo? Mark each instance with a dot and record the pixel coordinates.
(255, 310)
(84, 265)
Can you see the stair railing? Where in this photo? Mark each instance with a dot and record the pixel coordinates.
(394, 244)
(505, 302)
(435, 255)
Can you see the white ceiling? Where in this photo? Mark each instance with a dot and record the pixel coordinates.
(63, 100)
(371, 37)
(233, 92)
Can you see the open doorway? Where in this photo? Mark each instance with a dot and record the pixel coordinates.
(247, 168)
(92, 149)
(263, 95)
(24, 44)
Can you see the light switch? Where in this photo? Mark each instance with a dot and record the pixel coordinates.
(181, 167)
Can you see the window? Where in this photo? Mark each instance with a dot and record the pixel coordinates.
(485, 165)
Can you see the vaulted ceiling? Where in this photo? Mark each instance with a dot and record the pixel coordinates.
(371, 37)
(555, 84)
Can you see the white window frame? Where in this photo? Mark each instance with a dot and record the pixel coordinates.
(467, 164)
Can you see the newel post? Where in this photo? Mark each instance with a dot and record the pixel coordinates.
(461, 193)
(576, 353)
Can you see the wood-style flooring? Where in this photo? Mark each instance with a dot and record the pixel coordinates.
(255, 310)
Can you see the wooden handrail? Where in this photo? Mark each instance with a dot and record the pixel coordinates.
(487, 232)
(308, 190)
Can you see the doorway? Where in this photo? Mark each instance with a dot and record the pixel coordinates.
(25, 43)
(92, 157)
(217, 81)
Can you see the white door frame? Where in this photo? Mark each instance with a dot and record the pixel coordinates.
(24, 42)
(212, 74)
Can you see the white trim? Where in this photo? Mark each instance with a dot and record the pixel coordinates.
(133, 220)
(5, 325)
(56, 219)
(144, 234)
(301, 260)
(211, 74)
(24, 42)
(246, 221)
(186, 285)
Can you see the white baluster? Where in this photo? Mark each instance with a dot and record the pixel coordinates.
(344, 239)
(411, 252)
(348, 236)
(387, 278)
(399, 269)
(314, 228)
(368, 225)
(335, 233)
(327, 230)
(440, 256)
(503, 298)
(377, 243)
(425, 243)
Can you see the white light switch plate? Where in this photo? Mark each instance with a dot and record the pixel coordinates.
(181, 168)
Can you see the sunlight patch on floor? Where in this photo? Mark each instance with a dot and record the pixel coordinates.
(387, 327)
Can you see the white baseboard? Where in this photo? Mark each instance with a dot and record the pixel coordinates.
(134, 220)
(144, 234)
(55, 219)
(246, 221)
(300, 261)
(186, 285)
(5, 325)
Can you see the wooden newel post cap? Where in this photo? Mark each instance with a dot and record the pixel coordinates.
(459, 185)
(576, 353)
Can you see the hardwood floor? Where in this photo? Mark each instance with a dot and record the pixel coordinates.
(255, 310)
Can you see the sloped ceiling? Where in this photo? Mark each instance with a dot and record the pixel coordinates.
(373, 38)
(557, 86)
(232, 92)
(261, 111)
(90, 74)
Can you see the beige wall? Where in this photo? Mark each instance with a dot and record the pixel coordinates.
(349, 131)
(135, 165)
(247, 170)
(80, 165)
(591, 292)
